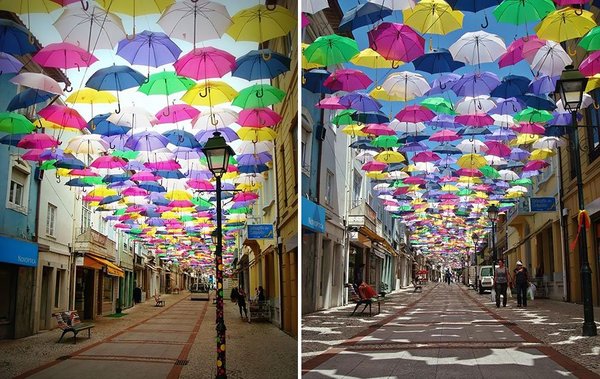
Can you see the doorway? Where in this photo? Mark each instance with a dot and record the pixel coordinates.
(8, 283)
(45, 298)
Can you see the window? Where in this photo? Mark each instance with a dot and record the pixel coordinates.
(86, 216)
(284, 175)
(50, 219)
(329, 187)
(356, 189)
(107, 294)
(294, 138)
(18, 187)
(593, 129)
(306, 144)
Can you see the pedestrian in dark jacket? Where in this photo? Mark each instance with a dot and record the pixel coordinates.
(521, 283)
(241, 301)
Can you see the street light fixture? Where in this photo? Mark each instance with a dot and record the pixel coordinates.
(217, 155)
(493, 217)
(475, 238)
(571, 87)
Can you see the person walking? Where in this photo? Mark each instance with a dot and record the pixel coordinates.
(522, 283)
(502, 280)
(241, 301)
(448, 276)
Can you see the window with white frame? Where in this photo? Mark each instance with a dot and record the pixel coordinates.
(18, 185)
(356, 188)
(51, 219)
(86, 216)
(329, 187)
(306, 144)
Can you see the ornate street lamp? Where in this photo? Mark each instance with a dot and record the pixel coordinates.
(570, 88)
(217, 154)
(475, 238)
(493, 217)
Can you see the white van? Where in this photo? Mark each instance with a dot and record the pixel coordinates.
(486, 278)
(200, 291)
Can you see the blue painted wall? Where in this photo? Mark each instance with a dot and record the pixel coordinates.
(309, 183)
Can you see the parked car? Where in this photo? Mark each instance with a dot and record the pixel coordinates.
(486, 278)
(200, 291)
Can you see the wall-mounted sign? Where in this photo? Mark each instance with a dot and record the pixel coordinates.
(313, 216)
(542, 204)
(260, 231)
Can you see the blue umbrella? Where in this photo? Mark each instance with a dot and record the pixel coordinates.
(473, 6)
(11, 139)
(226, 132)
(261, 64)
(115, 78)
(27, 98)
(152, 187)
(149, 49)
(182, 138)
(370, 117)
(252, 159)
(511, 86)
(437, 61)
(113, 178)
(169, 174)
(511, 105)
(476, 84)
(538, 101)
(110, 199)
(470, 131)
(362, 15)
(543, 84)
(14, 38)
(78, 182)
(362, 144)
(313, 81)
(360, 102)
(69, 161)
(446, 149)
(99, 125)
(251, 169)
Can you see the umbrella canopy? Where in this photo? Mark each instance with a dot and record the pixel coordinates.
(38, 81)
(64, 116)
(64, 55)
(260, 24)
(437, 61)
(405, 85)
(152, 49)
(115, 78)
(550, 59)
(475, 48)
(14, 38)
(396, 42)
(261, 64)
(258, 96)
(565, 24)
(363, 15)
(14, 123)
(523, 11)
(9, 64)
(347, 80)
(433, 17)
(28, 97)
(205, 62)
(209, 93)
(330, 50)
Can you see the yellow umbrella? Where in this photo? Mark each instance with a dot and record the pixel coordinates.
(389, 157)
(380, 94)
(372, 59)
(102, 191)
(136, 8)
(354, 130)
(469, 180)
(449, 188)
(524, 139)
(63, 171)
(178, 195)
(209, 93)
(43, 123)
(433, 17)
(29, 6)
(261, 23)
(305, 63)
(565, 24)
(377, 175)
(91, 96)
(593, 83)
(230, 175)
(541, 154)
(471, 161)
(256, 134)
(169, 215)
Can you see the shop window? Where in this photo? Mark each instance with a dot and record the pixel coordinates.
(107, 290)
(18, 188)
(329, 187)
(51, 219)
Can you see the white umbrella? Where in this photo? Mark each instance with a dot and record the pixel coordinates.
(195, 21)
(468, 146)
(508, 175)
(153, 156)
(407, 127)
(405, 85)
(548, 143)
(90, 29)
(253, 148)
(313, 6)
(503, 120)
(90, 144)
(38, 81)
(493, 160)
(427, 167)
(473, 105)
(550, 59)
(477, 47)
(133, 117)
(517, 189)
(398, 175)
(217, 118)
(396, 5)
(381, 187)
(249, 179)
(366, 156)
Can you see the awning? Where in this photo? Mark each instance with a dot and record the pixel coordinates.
(370, 234)
(99, 263)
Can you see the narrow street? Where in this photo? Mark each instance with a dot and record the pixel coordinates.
(170, 342)
(447, 331)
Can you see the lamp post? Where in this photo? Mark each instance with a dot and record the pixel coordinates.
(217, 155)
(475, 238)
(570, 88)
(493, 217)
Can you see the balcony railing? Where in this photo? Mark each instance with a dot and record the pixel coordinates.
(521, 208)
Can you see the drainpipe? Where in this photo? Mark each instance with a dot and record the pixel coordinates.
(564, 231)
(279, 241)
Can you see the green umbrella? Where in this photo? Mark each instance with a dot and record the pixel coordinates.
(258, 96)
(94, 180)
(489, 172)
(520, 12)
(48, 165)
(166, 83)
(344, 118)
(465, 192)
(15, 123)
(129, 155)
(399, 183)
(532, 115)
(241, 210)
(331, 49)
(386, 142)
(198, 201)
(119, 212)
(438, 105)
(591, 41)
(521, 182)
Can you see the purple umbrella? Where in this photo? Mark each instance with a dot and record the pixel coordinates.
(413, 147)
(360, 102)
(151, 49)
(544, 84)
(9, 64)
(511, 105)
(200, 174)
(518, 154)
(501, 134)
(443, 83)
(146, 141)
(476, 84)
(227, 133)
(117, 142)
(254, 159)
(443, 121)
(135, 165)
(186, 153)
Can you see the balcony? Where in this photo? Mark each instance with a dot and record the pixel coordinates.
(363, 215)
(95, 242)
(519, 212)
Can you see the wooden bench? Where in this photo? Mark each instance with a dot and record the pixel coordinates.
(159, 302)
(354, 296)
(69, 321)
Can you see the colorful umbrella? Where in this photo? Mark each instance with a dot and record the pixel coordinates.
(396, 42)
(261, 64)
(523, 11)
(28, 97)
(330, 50)
(258, 96)
(363, 15)
(209, 93)
(38, 81)
(151, 49)
(15, 38)
(261, 23)
(433, 17)
(205, 62)
(477, 47)
(565, 24)
(115, 78)
(63, 116)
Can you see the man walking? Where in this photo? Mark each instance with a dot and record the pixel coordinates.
(501, 281)
(522, 283)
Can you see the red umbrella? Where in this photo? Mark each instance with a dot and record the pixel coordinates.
(396, 42)
(374, 166)
(426, 156)
(204, 63)
(347, 80)
(497, 148)
(444, 135)
(535, 165)
(476, 120)
(258, 117)
(379, 130)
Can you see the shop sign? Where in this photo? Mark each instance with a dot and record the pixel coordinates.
(260, 231)
(313, 216)
(542, 204)
(18, 252)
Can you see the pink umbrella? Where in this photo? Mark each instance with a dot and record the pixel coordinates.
(304, 21)
(245, 196)
(476, 120)
(181, 203)
(396, 42)
(204, 63)
(530, 128)
(108, 161)
(134, 191)
(415, 113)
(83, 172)
(570, 2)
(38, 141)
(38, 81)
(514, 52)
(379, 130)
(331, 102)
(444, 136)
(497, 148)
(64, 55)
(374, 166)
(164, 165)
(33, 155)
(535, 165)
(63, 116)
(143, 176)
(590, 66)
(347, 80)
(175, 113)
(258, 117)
(426, 156)
(414, 180)
(203, 185)
(472, 172)
(531, 47)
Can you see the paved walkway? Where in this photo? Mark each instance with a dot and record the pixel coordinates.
(445, 332)
(171, 342)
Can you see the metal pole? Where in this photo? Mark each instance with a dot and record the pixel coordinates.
(494, 253)
(589, 326)
(221, 371)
